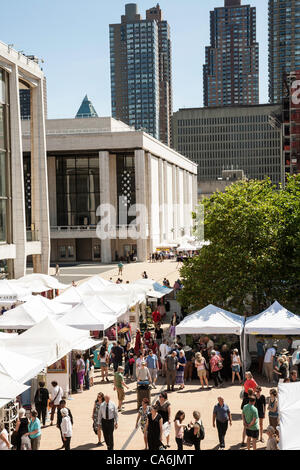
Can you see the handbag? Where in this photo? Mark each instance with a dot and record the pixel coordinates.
(51, 404)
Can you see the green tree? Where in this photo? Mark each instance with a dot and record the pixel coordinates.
(254, 254)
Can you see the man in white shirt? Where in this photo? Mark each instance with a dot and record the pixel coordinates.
(66, 428)
(108, 420)
(164, 350)
(269, 362)
(56, 396)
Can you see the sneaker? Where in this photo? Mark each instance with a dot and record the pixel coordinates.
(107, 379)
(243, 444)
(99, 444)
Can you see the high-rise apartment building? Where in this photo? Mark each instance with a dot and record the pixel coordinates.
(284, 44)
(231, 70)
(291, 123)
(140, 59)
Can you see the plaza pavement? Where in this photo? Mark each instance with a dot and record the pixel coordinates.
(188, 400)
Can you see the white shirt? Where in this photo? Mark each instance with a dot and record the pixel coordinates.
(3, 445)
(57, 391)
(66, 426)
(164, 351)
(112, 412)
(269, 355)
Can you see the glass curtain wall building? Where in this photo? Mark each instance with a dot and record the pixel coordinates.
(284, 44)
(231, 70)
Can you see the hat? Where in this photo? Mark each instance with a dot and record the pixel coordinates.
(187, 348)
(143, 363)
(64, 412)
(284, 352)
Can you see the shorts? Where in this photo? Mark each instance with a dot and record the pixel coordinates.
(201, 373)
(252, 433)
(121, 394)
(236, 368)
(153, 374)
(103, 364)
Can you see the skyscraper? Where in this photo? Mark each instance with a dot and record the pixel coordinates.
(284, 44)
(86, 109)
(140, 59)
(231, 69)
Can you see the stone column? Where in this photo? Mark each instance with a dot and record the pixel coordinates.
(161, 193)
(52, 191)
(166, 212)
(39, 179)
(17, 177)
(149, 200)
(141, 200)
(105, 198)
(113, 193)
(195, 191)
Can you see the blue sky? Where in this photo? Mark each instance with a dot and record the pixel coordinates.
(73, 39)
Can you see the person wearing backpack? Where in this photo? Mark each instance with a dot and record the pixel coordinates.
(198, 428)
(41, 402)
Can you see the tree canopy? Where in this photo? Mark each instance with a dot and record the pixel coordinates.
(254, 254)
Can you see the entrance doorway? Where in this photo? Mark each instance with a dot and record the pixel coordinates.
(84, 249)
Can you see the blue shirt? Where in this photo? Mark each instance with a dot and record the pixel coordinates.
(181, 360)
(260, 349)
(222, 412)
(34, 426)
(152, 361)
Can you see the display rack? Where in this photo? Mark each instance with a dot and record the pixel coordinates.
(9, 417)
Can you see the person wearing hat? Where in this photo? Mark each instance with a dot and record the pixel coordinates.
(119, 385)
(269, 362)
(66, 428)
(272, 442)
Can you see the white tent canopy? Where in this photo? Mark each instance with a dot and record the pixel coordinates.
(289, 412)
(71, 296)
(153, 288)
(93, 314)
(4, 336)
(275, 320)
(211, 320)
(11, 292)
(9, 389)
(49, 341)
(18, 366)
(30, 313)
(40, 283)
(93, 285)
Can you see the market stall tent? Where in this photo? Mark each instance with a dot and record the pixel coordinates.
(275, 320)
(38, 283)
(49, 341)
(289, 413)
(153, 288)
(93, 314)
(9, 389)
(93, 285)
(11, 292)
(31, 313)
(4, 336)
(211, 320)
(18, 366)
(70, 296)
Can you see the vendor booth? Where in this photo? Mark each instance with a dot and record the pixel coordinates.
(11, 293)
(289, 415)
(274, 321)
(212, 320)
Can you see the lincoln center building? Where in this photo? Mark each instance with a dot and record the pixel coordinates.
(101, 169)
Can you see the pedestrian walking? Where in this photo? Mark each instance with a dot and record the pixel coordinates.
(87, 364)
(190, 357)
(95, 417)
(236, 366)
(261, 408)
(171, 368)
(62, 405)
(141, 420)
(41, 402)
(143, 376)
(179, 429)
(108, 420)
(56, 396)
(80, 369)
(117, 355)
(221, 418)
(163, 351)
(201, 366)
(180, 369)
(152, 364)
(215, 367)
(273, 409)
(154, 429)
(272, 441)
(198, 430)
(250, 420)
(34, 431)
(120, 266)
(119, 385)
(260, 348)
(92, 370)
(66, 428)
(164, 409)
(21, 427)
(269, 362)
(103, 358)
